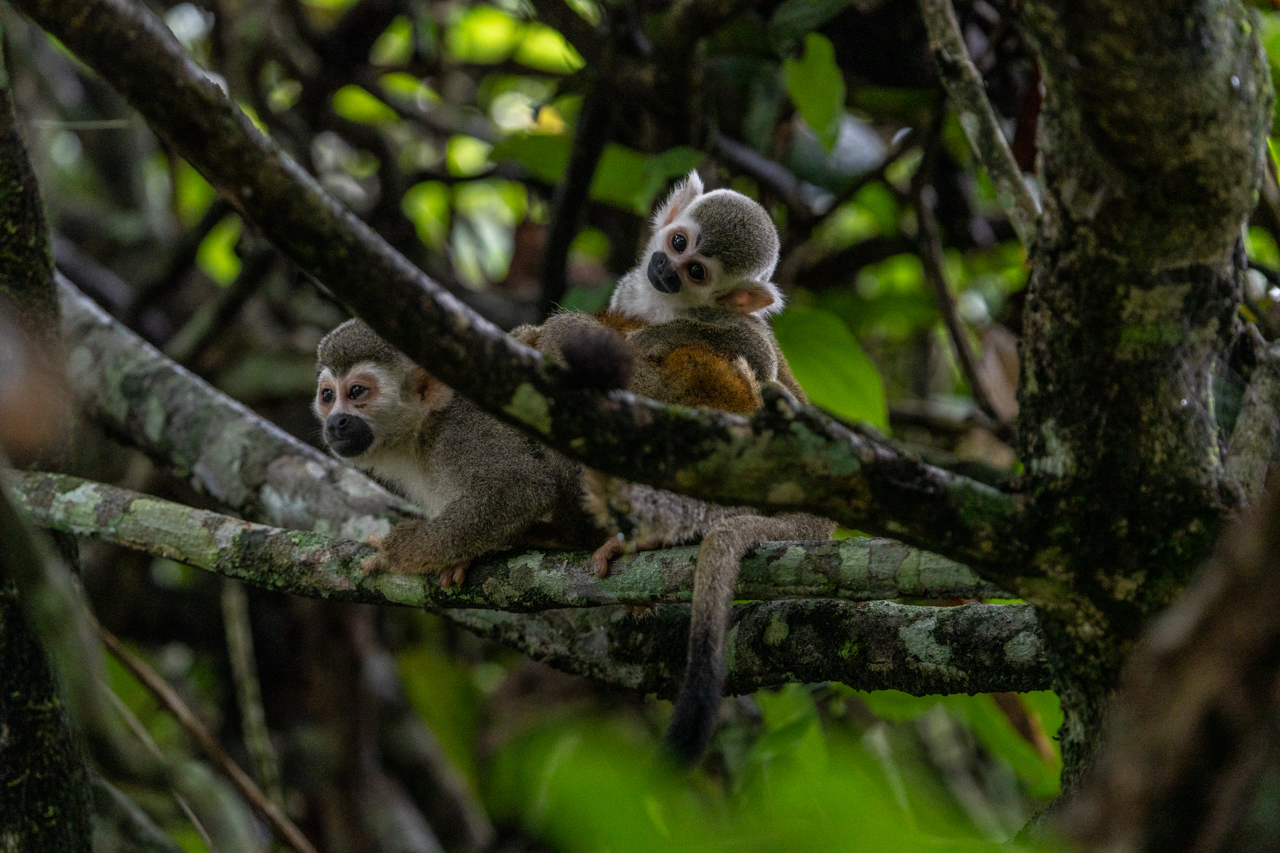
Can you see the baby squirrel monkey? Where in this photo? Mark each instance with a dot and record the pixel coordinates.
(482, 485)
(693, 319)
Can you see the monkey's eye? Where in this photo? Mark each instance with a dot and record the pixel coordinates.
(678, 242)
(326, 396)
(357, 391)
(697, 272)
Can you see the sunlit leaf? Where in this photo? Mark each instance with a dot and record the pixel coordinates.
(192, 194)
(816, 86)
(484, 35)
(427, 206)
(356, 104)
(544, 156)
(216, 256)
(632, 180)
(546, 50)
(395, 45)
(830, 366)
(467, 156)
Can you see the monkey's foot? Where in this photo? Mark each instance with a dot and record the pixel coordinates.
(612, 547)
(640, 611)
(455, 575)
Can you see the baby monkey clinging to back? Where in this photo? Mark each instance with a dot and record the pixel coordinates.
(692, 313)
(482, 485)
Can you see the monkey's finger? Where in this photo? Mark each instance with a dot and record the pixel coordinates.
(375, 540)
(376, 563)
(460, 574)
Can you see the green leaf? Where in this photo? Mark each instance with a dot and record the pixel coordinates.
(546, 50)
(216, 256)
(544, 156)
(630, 180)
(830, 366)
(427, 206)
(817, 88)
(483, 35)
(395, 45)
(356, 104)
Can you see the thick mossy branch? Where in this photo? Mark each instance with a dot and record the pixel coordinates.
(969, 97)
(774, 461)
(877, 645)
(1152, 139)
(223, 449)
(317, 566)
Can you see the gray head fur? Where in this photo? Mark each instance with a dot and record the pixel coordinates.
(736, 231)
(354, 342)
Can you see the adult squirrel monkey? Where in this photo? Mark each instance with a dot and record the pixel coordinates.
(692, 316)
(483, 485)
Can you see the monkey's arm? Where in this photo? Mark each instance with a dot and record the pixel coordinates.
(503, 483)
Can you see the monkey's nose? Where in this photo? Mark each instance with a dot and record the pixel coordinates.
(662, 275)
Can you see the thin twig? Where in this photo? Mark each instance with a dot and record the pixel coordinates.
(965, 89)
(144, 737)
(235, 620)
(929, 246)
(279, 823)
(594, 124)
(772, 174)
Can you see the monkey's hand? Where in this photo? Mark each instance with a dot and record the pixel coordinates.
(410, 549)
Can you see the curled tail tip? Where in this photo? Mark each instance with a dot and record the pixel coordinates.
(598, 360)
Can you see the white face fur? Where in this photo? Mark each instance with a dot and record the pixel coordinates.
(675, 276)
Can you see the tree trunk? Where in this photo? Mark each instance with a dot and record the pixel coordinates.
(1151, 142)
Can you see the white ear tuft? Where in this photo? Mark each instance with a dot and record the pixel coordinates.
(752, 297)
(679, 200)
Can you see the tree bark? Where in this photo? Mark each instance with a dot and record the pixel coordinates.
(1151, 143)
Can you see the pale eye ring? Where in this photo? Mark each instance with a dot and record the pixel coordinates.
(326, 396)
(697, 272)
(678, 242)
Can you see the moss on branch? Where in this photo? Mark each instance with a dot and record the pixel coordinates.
(318, 566)
(869, 646)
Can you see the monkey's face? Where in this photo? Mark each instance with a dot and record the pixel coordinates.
(347, 404)
(677, 267)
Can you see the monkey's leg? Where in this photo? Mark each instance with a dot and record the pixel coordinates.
(698, 704)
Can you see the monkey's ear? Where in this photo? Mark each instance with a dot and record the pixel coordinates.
(751, 297)
(428, 389)
(681, 197)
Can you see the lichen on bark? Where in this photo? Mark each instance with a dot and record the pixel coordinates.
(1150, 139)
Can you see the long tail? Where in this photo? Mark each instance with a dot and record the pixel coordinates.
(698, 704)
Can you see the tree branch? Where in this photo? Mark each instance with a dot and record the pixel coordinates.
(967, 93)
(116, 374)
(595, 121)
(766, 461)
(977, 648)
(319, 566)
